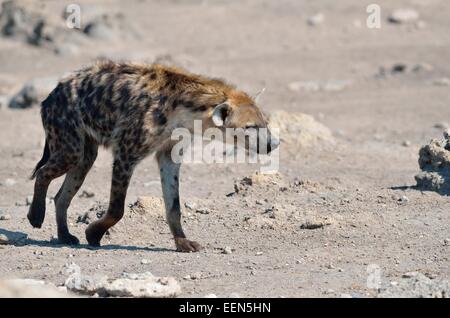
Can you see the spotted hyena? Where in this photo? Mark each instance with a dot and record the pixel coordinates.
(133, 110)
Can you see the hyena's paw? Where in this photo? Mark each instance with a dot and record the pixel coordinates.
(186, 246)
(36, 214)
(93, 236)
(68, 239)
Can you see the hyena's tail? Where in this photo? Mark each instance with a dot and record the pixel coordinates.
(43, 161)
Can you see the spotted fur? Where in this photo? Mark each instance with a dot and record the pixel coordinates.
(133, 110)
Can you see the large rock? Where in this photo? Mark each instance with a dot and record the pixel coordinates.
(143, 285)
(129, 285)
(33, 92)
(299, 130)
(147, 205)
(25, 98)
(20, 22)
(82, 284)
(29, 288)
(434, 161)
(416, 285)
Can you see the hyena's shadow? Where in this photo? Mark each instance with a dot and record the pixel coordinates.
(104, 247)
(18, 238)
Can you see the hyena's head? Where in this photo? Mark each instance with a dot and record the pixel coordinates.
(240, 115)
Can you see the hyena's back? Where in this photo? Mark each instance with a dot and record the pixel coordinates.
(102, 102)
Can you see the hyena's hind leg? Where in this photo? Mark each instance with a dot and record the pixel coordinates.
(72, 183)
(58, 164)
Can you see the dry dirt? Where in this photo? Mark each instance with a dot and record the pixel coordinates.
(344, 201)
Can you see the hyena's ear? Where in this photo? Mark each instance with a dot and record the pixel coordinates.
(220, 114)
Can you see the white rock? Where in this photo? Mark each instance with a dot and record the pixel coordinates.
(227, 250)
(29, 288)
(316, 19)
(211, 296)
(143, 285)
(444, 81)
(403, 16)
(85, 285)
(9, 182)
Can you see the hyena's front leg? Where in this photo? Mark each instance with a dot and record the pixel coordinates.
(122, 172)
(170, 184)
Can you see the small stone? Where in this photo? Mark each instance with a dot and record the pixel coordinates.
(25, 98)
(403, 199)
(423, 67)
(447, 241)
(5, 217)
(4, 101)
(9, 182)
(402, 16)
(441, 125)
(145, 261)
(211, 296)
(399, 68)
(227, 250)
(316, 19)
(202, 211)
(189, 205)
(86, 194)
(259, 253)
(444, 81)
(406, 143)
(4, 239)
(410, 274)
(28, 200)
(193, 276)
(308, 86)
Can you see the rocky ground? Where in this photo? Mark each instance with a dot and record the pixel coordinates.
(349, 214)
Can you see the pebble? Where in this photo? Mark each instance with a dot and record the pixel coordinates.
(189, 205)
(316, 19)
(25, 98)
(259, 253)
(403, 199)
(406, 143)
(442, 125)
(211, 296)
(5, 217)
(202, 211)
(447, 242)
(4, 239)
(86, 194)
(9, 182)
(444, 81)
(402, 16)
(145, 261)
(227, 250)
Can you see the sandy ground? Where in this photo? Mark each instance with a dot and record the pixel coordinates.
(358, 188)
